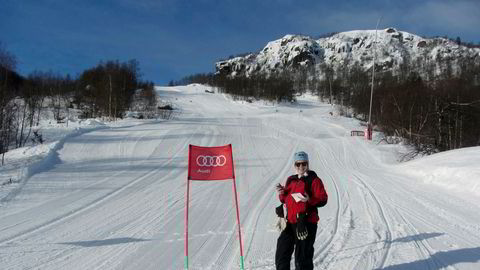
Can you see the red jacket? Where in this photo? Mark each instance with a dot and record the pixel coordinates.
(318, 196)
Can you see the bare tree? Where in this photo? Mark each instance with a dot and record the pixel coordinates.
(7, 66)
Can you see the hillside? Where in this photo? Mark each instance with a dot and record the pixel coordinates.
(113, 196)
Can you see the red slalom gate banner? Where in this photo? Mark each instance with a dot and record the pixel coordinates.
(211, 164)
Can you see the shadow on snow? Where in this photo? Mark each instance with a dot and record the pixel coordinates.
(105, 242)
(441, 260)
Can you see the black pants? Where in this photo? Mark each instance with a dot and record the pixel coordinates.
(287, 242)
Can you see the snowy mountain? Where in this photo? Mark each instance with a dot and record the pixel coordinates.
(394, 48)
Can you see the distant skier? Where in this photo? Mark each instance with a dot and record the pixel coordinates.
(302, 194)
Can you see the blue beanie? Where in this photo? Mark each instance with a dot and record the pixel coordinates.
(300, 156)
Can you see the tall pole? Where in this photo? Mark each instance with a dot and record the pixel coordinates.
(185, 263)
(369, 124)
(239, 228)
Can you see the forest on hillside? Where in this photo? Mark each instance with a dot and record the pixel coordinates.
(432, 112)
(106, 90)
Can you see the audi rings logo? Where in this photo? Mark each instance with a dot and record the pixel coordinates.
(211, 161)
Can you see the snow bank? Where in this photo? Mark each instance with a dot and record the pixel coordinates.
(456, 169)
(51, 157)
(93, 123)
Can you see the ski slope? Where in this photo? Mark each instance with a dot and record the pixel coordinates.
(113, 198)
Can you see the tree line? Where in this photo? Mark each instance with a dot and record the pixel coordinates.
(432, 111)
(277, 87)
(438, 115)
(107, 90)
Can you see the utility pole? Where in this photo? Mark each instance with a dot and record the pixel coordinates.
(369, 123)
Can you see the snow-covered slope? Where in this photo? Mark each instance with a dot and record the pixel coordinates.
(393, 49)
(113, 198)
(457, 170)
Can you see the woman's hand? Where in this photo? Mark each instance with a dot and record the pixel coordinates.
(280, 189)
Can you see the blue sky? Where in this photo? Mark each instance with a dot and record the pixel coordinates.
(175, 38)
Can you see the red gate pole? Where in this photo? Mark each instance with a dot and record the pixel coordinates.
(186, 224)
(238, 222)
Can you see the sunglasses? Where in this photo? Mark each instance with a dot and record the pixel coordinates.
(301, 163)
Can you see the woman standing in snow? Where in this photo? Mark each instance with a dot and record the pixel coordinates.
(302, 194)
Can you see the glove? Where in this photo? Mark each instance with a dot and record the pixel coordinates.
(302, 231)
(281, 224)
(279, 211)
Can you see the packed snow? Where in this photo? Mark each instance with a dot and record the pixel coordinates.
(103, 195)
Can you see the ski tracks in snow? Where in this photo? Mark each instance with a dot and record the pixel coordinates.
(131, 216)
(74, 206)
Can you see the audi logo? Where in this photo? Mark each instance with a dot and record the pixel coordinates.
(211, 161)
